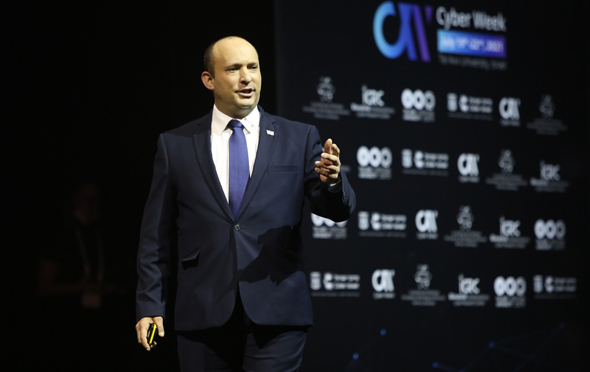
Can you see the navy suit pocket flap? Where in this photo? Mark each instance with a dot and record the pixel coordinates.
(283, 168)
(191, 261)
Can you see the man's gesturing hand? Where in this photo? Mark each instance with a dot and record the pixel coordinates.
(328, 167)
(141, 329)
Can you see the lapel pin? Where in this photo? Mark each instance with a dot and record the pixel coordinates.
(270, 132)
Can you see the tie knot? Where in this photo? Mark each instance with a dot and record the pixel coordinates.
(233, 124)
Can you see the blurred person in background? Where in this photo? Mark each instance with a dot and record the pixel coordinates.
(80, 291)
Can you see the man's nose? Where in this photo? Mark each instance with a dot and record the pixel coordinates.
(245, 76)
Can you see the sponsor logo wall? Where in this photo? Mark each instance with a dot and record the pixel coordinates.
(467, 169)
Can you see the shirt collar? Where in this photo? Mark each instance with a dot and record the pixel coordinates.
(219, 121)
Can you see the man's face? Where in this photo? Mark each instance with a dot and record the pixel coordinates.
(237, 82)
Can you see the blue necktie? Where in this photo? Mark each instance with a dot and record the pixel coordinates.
(239, 168)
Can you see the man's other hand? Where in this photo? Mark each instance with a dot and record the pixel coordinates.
(141, 328)
(328, 167)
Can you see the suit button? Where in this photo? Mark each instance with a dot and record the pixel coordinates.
(237, 227)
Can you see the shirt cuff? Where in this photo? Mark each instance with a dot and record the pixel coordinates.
(335, 186)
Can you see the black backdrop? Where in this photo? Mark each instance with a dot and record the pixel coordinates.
(87, 87)
(447, 264)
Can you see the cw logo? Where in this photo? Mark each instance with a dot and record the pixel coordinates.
(426, 220)
(382, 280)
(467, 164)
(408, 14)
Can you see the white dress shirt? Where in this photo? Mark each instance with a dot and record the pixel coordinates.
(220, 143)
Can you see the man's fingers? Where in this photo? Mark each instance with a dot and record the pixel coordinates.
(141, 329)
(328, 167)
(328, 146)
(327, 164)
(328, 159)
(335, 150)
(327, 172)
(160, 323)
(138, 333)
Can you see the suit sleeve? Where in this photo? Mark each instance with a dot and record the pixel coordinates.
(337, 205)
(153, 257)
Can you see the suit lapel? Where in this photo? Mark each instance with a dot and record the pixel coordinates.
(202, 142)
(269, 131)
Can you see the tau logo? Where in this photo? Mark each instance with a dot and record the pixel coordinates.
(423, 277)
(510, 286)
(509, 108)
(468, 286)
(464, 103)
(549, 285)
(363, 220)
(509, 228)
(407, 158)
(550, 229)
(372, 97)
(465, 218)
(328, 281)
(452, 102)
(376, 221)
(549, 172)
(325, 89)
(315, 280)
(374, 157)
(419, 159)
(418, 99)
(538, 283)
(409, 15)
(506, 161)
(547, 107)
(382, 280)
(426, 221)
(467, 164)
(322, 221)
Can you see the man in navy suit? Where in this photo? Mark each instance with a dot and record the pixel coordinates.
(242, 299)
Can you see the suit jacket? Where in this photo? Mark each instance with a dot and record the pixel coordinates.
(258, 252)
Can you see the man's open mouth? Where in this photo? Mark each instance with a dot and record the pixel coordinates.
(246, 93)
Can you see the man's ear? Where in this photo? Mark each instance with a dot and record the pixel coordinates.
(207, 80)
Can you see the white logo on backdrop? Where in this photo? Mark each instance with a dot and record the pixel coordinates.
(468, 166)
(424, 295)
(372, 105)
(510, 292)
(465, 236)
(426, 224)
(325, 108)
(547, 124)
(418, 105)
(469, 294)
(324, 228)
(550, 235)
(510, 236)
(374, 163)
(506, 179)
(382, 281)
(549, 179)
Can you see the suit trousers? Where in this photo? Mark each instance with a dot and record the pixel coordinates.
(242, 346)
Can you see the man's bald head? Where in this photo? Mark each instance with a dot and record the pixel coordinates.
(232, 73)
(209, 57)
